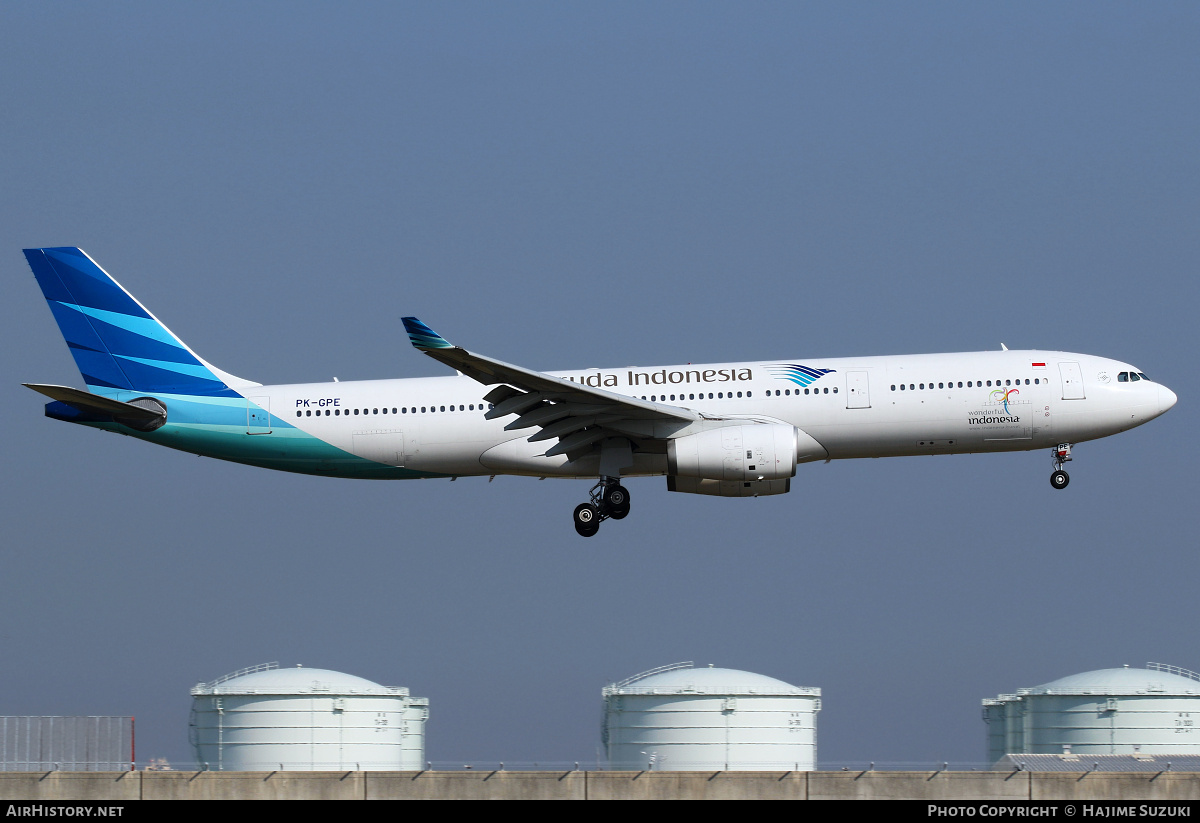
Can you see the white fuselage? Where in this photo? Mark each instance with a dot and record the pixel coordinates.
(854, 407)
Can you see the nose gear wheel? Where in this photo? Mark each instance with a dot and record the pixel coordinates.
(1062, 453)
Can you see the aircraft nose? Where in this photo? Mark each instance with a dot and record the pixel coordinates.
(1166, 399)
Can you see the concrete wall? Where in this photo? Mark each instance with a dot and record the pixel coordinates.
(567, 785)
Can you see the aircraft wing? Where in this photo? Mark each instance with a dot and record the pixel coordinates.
(578, 415)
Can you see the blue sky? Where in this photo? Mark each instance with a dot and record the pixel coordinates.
(575, 185)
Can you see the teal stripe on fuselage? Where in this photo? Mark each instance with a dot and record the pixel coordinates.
(285, 449)
(216, 427)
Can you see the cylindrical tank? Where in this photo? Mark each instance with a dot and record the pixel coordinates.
(1155, 710)
(680, 718)
(267, 718)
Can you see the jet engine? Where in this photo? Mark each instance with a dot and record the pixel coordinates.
(739, 461)
(757, 451)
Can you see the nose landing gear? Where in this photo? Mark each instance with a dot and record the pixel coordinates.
(1062, 453)
(608, 499)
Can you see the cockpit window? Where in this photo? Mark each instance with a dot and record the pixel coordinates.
(1133, 377)
(1143, 376)
(1123, 377)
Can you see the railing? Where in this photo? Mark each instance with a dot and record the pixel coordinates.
(261, 667)
(668, 668)
(1163, 667)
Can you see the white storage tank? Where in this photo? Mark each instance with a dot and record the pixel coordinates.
(680, 718)
(265, 718)
(1150, 711)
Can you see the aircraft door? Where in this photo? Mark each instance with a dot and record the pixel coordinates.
(1072, 381)
(858, 393)
(258, 415)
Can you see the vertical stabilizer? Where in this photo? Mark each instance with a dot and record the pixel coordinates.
(117, 344)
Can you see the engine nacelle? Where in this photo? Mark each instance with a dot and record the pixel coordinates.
(748, 453)
(728, 488)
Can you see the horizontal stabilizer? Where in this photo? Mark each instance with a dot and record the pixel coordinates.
(143, 418)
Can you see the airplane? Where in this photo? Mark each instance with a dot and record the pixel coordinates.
(721, 429)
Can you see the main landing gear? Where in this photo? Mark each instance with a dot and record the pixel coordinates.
(1062, 453)
(608, 498)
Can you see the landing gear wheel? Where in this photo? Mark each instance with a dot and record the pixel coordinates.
(587, 519)
(616, 499)
(1060, 479)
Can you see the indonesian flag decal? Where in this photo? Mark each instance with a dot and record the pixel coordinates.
(1039, 365)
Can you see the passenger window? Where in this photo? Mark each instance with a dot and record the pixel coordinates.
(940, 386)
(960, 384)
(901, 387)
(739, 394)
(299, 413)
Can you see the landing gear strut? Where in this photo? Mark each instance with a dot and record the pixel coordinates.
(1062, 453)
(608, 498)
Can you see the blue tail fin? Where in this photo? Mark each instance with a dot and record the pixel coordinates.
(117, 344)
